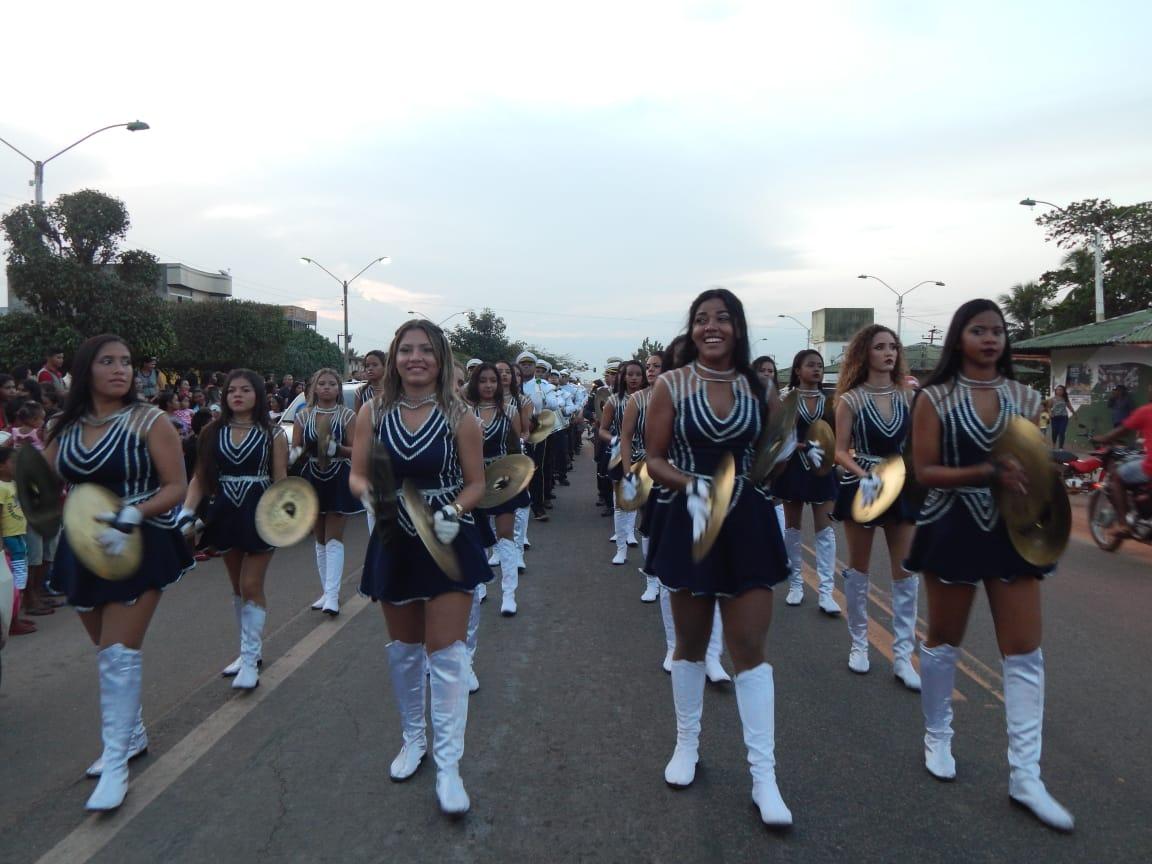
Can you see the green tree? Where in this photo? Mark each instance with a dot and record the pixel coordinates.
(65, 264)
(484, 336)
(228, 335)
(647, 348)
(305, 351)
(1027, 307)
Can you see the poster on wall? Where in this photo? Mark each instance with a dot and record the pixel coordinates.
(1078, 383)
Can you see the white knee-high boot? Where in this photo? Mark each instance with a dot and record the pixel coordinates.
(688, 698)
(232, 668)
(826, 569)
(651, 583)
(334, 555)
(137, 745)
(937, 678)
(322, 569)
(669, 627)
(121, 670)
(1024, 707)
(630, 522)
(756, 701)
(471, 642)
(716, 673)
(521, 530)
(795, 563)
(449, 721)
(780, 516)
(904, 592)
(620, 522)
(509, 577)
(406, 669)
(856, 597)
(252, 618)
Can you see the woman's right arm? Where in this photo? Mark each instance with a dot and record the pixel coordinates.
(844, 419)
(658, 436)
(606, 414)
(358, 480)
(628, 428)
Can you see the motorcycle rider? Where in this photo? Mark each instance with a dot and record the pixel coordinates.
(1135, 471)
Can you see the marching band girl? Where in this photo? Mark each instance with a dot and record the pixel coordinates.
(711, 407)
(510, 381)
(766, 370)
(241, 454)
(105, 436)
(330, 480)
(632, 443)
(630, 380)
(800, 485)
(432, 438)
(961, 542)
(873, 419)
(373, 373)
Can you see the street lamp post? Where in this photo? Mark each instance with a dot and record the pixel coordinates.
(807, 330)
(440, 323)
(383, 259)
(900, 295)
(38, 164)
(1097, 256)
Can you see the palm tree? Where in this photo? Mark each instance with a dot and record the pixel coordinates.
(1024, 306)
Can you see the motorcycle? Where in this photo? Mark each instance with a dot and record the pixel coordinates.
(1080, 474)
(1102, 515)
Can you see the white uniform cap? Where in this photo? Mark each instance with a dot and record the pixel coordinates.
(544, 364)
(473, 363)
(525, 355)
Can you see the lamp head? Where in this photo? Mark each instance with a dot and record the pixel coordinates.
(137, 126)
(304, 260)
(862, 276)
(941, 284)
(1028, 202)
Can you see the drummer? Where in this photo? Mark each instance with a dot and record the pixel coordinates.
(961, 542)
(327, 470)
(714, 407)
(873, 420)
(105, 436)
(500, 423)
(241, 454)
(432, 439)
(803, 483)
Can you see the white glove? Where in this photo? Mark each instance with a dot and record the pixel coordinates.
(114, 538)
(815, 454)
(446, 524)
(333, 446)
(294, 454)
(787, 450)
(870, 487)
(629, 488)
(699, 500)
(187, 523)
(369, 502)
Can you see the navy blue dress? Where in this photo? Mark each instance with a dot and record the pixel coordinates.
(799, 481)
(331, 483)
(397, 567)
(749, 551)
(244, 471)
(874, 439)
(960, 535)
(496, 435)
(119, 461)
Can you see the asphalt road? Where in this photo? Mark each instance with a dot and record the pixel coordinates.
(568, 736)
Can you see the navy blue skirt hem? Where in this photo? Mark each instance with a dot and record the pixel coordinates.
(402, 571)
(956, 550)
(799, 484)
(333, 492)
(166, 559)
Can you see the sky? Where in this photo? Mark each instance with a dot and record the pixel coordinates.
(586, 169)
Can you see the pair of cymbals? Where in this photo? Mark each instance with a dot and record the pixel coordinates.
(722, 484)
(773, 438)
(505, 478)
(323, 437)
(643, 488)
(1042, 541)
(1024, 442)
(423, 520)
(286, 512)
(892, 473)
(821, 432)
(545, 424)
(86, 502)
(38, 489)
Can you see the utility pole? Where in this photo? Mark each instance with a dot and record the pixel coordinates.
(931, 335)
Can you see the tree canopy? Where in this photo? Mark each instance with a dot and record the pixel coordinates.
(647, 348)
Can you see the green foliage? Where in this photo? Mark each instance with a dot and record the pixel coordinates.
(64, 262)
(305, 351)
(25, 336)
(1027, 307)
(647, 348)
(484, 336)
(227, 335)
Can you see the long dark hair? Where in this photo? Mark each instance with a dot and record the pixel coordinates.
(79, 401)
(472, 389)
(674, 353)
(767, 358)
(741, 351)
(513, 375)
(797, 362)
(622, 384)
(952, 354)
(208, 442)
(854, 367)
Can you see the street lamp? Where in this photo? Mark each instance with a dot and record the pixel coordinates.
(440, 323)
(807, 329)
(38, 164)
(383, 259)
(1097, 256)
(900, 295)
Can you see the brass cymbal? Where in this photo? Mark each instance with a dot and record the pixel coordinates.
(723, 482)
(1024, 442)
(38, 490)
(286, 512)
(442, 554)
(892, 472)
(546, 422)
(506, 478)
(323, 436)
(383, 482)
(773, 437)
(1043, 542)
(85, 502)
(821, 432)
(643, 488)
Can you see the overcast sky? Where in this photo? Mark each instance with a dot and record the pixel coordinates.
(586, 168)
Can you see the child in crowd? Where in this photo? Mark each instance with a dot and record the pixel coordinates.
(13, 527)
(29, 426)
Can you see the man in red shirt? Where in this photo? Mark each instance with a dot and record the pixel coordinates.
(52, 372)
(1135, 471)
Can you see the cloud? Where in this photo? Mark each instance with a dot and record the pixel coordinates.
(384, 292)
(237, 212)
